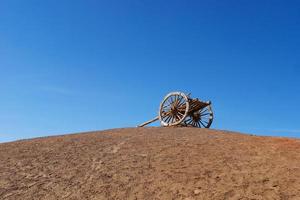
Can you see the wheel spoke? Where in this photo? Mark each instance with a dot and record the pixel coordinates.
(168, 118)
(164, 113)
(205, 118)
(203, 110)
(164, 117)
(199, 124)
(204, 114)
(195, 124)
(189, 120)
(165, 106)
(202, 123)
(180, 114)
(176, 100)
(170, 100)
(173, 119)
(180, 99)
(182, 107)
(182, 102)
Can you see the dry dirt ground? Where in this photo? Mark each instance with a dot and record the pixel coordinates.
(151, 163)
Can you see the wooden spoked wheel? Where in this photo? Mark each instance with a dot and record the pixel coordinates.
(174, 109)
(201, 118)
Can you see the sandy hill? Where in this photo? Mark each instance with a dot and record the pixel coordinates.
(151, 163)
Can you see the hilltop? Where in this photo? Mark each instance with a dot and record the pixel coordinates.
(151, 163)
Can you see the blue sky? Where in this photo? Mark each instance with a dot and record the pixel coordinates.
(72, 66)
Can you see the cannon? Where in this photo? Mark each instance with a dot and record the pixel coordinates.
(179, 109)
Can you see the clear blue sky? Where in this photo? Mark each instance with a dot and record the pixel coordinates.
(71, 66)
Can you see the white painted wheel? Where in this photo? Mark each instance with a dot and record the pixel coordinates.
(173, 109)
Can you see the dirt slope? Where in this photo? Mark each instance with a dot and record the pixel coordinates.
(151, 163)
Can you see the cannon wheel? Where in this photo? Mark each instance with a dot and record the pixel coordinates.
(201, 118)
(173, 109)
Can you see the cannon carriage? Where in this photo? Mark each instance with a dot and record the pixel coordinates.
(179, 109)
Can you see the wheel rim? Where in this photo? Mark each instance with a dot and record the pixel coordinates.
(173, 109)
(202, 118)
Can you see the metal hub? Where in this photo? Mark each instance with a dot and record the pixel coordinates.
(196, 116)
(174, 110)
